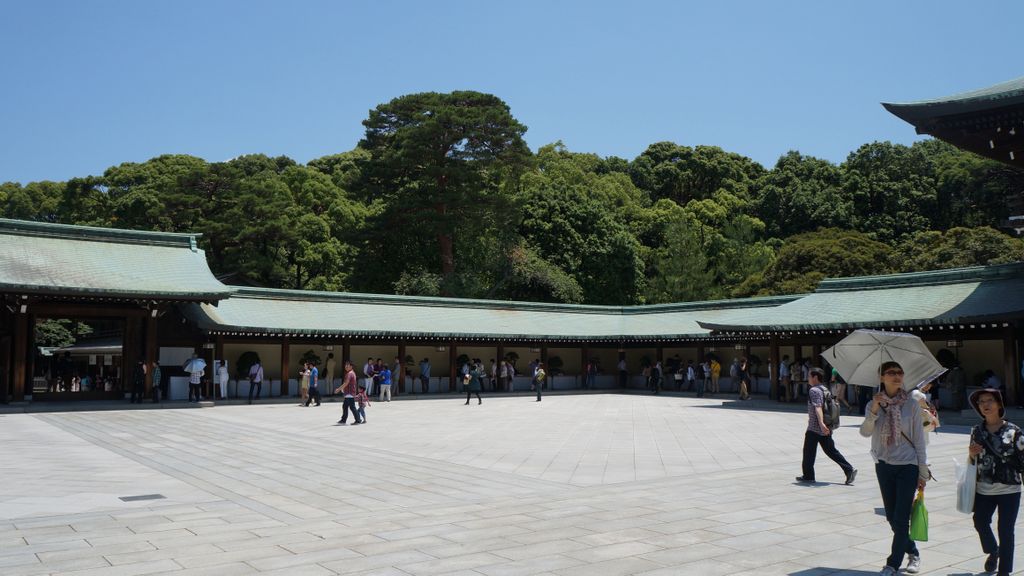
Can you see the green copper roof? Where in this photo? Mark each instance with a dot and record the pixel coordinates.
(1001, 95)
(57, 259)
(263, 311)
(947, 297)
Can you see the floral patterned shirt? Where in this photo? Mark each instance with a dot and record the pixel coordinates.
(1002, 459)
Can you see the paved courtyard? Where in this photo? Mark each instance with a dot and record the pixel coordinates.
(585, 485)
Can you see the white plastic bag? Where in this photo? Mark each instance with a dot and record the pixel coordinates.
(966, 483)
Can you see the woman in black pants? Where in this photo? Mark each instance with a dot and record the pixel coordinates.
(997, 447)
(474, 384)
(894, 424)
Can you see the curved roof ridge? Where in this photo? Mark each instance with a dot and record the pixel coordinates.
(1007, 89)
(926, 278)
(366, 298)
(97, 234)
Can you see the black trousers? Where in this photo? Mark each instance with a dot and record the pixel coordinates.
(257, 387)
(811, 442)
(984, 507)
(349, 403)
(898, 484)
(194, 391)
(470, 393)
(314, 394)
(137, 392)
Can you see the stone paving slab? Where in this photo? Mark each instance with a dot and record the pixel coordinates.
(575, 485)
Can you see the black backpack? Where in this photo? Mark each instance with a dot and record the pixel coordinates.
(829, 408)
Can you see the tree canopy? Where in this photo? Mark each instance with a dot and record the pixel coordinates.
(443, 197)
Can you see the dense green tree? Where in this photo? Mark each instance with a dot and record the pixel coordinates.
(34, 201)
(732, 240)
(801, 194)
(679, 270)
(566, 222)
(680, 173)
(892, 188)
(805, 259)
(437, 162)
(156, 194)
(971, 190)
(957, 248)
(59, 332)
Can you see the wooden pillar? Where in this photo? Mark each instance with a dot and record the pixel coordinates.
(346, 356)
(401, 368)
(501, 356)
(285, 368)
(773, 368)
(549, 380)
(151, 350)
(452, 368)
(1011, 369)
(700, 353)
(21, 335)
(816, 361)
(129, 354)
(218, 352)
(584, 360)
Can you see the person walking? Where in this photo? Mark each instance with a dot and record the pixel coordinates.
(743, 374)
(348, 390)
(839, 389)
(901, 461)
(623, 373)
(474, 383)
(255, 380)
(819, 434)
(997, 447)
(716, 372)
(541, 377)
(314, 384)
(304, 383)
(362, 402)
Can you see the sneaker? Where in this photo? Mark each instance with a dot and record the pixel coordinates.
(991, 561)
(356, 423)
(888, 571)
(913, 564)
(341, 422)
(851, 477)
(804, 480)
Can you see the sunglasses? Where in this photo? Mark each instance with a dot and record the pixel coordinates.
(893, 372)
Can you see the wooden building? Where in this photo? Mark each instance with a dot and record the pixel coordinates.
(159, 290)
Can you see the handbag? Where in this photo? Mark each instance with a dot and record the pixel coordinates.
(966, 485)
(919, 519)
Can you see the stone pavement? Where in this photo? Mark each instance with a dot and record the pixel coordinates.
(588, 485)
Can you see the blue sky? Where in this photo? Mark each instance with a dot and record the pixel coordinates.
(91, 84)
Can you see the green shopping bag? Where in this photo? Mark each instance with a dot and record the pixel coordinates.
(919, 519)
